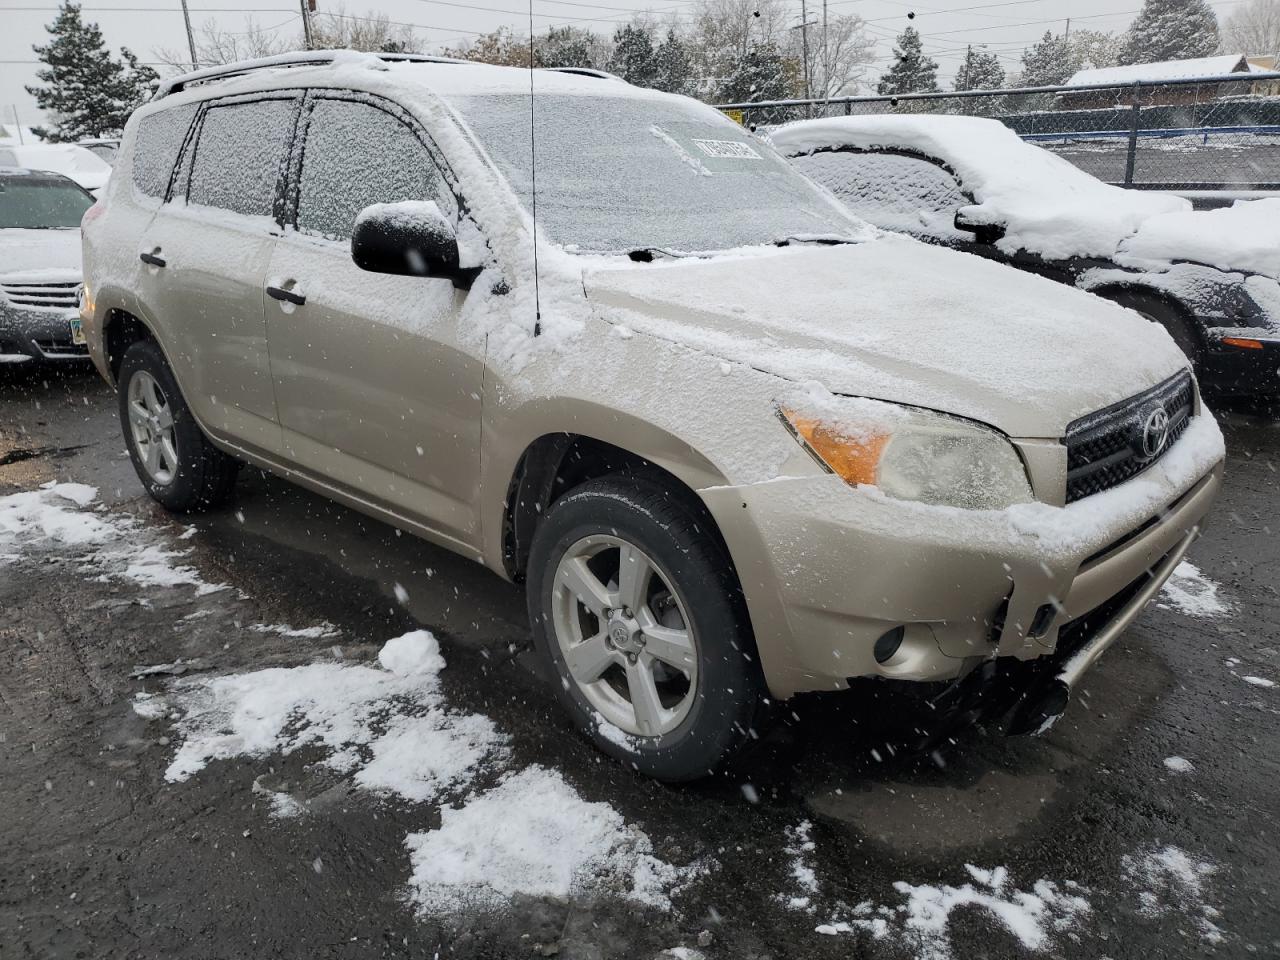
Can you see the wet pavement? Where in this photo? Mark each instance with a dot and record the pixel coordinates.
(100, 856)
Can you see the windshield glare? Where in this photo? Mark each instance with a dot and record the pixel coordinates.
(618, 174)
(41, 204)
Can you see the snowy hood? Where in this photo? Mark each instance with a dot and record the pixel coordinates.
(1047, 205)
(901, 321)
(1244, 236)
(40, 255)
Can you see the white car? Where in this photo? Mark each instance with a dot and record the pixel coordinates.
(78, 163)
(40, 266)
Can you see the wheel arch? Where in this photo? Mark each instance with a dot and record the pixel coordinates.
(120, 330)
(555, 463)
(1178, 309)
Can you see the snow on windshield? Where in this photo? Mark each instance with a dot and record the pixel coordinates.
(1047, 205)
(616, 174)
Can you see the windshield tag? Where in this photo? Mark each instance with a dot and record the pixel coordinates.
(728, 149)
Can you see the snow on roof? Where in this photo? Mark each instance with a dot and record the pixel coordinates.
(1200, 68)
(1047, 205)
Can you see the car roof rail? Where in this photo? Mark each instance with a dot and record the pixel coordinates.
(297, 58)
(586, 72)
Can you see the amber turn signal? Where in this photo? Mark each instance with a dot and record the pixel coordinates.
(1242, 342)
(853, 459)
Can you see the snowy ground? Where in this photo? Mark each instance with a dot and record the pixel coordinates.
(284, 730)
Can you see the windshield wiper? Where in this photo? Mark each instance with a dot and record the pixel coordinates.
(817, 239)
(650, 254)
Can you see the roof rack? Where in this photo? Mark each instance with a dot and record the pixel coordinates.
(298, 58)
(586, 72)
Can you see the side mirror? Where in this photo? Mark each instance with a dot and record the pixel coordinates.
(983, 231)
(410, 239)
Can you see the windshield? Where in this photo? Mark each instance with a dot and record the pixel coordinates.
(31, 204)
(618, 174)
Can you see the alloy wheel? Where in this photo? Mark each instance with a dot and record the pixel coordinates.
(625, 636)
(151, 426)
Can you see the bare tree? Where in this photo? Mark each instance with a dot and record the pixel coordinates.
(722, 32)
(502, 47)
(373, 32)
(839, 59)
(1253, 29)
(215, 46)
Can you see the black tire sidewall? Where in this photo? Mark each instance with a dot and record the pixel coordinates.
(189, 489)
(729, 687)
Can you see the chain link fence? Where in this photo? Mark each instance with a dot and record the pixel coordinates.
(1216, 134)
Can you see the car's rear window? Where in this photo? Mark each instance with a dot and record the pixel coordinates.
(34, 203)
(156, 148)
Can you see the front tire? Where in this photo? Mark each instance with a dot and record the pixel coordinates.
(178, 466)
(635, 604)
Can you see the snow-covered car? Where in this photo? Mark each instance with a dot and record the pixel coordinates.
(75, 162)
(1208, 277)
(40, 266)
(736, 443)
(105, 148)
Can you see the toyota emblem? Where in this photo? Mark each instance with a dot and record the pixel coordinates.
(1155, 433)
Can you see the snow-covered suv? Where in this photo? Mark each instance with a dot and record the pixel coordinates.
(737, 443)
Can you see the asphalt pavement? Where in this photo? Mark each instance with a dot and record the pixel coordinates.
(1144, 824)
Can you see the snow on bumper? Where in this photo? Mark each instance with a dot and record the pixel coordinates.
(827, 569)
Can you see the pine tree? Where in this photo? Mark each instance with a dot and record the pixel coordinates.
(87, 92)
(912, 71)
(1048, 63)
(673, 67)
(566, 47)
(633, 55)
(760, 74)
(1171, 30)
(980, 71)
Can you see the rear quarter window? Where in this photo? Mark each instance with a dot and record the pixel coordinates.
(156, 148)
(891, 190)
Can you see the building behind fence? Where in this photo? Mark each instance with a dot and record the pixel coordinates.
(1207, 133)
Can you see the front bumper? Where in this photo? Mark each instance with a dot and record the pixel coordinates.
(38, 334)
(827, 570)
(1234, 370)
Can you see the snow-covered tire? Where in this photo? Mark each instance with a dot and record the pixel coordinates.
(686, 585)
(178, 466)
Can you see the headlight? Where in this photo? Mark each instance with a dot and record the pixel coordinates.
(911, 454)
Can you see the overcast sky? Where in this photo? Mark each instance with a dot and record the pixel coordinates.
(1005, 26)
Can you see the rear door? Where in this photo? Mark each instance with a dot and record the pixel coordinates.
(376, 389)
(205, 257)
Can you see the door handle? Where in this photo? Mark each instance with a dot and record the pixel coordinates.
(153, 258)
(287, 295)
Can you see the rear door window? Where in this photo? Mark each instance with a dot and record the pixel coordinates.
(239, 156)
(357, 154)
(156, 147)
(891, 190)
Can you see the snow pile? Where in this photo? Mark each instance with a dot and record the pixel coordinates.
(1179, 765)
(366, 716)
(1046, 204)
(1172, 883)
(387, 727)
(1190, 592)
(1033, 916)
(799, 849)
(1244, 236)
(56, 517)
(533, 835)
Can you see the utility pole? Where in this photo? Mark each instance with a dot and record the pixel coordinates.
(17, 124)
(826, 59)
(1066, 37)
(968, 68)
(191, 37)
(307, 7)
(804, 47)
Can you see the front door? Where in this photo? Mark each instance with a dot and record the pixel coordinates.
(376, 389)
(205, 257)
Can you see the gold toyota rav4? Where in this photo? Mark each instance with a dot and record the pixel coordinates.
(737, 444)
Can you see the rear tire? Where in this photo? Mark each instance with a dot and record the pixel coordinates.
(178, 466)
(680, 621)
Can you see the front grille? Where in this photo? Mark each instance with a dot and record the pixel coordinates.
(62, 348)
(1106, 448)
(52, 296)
